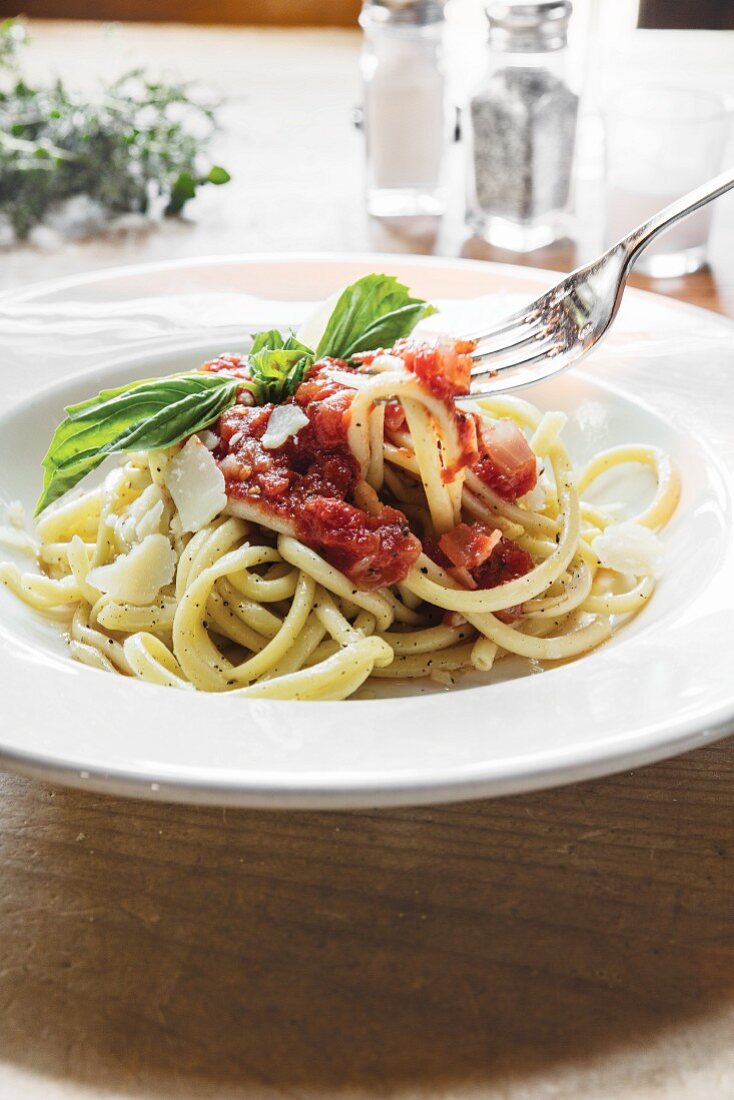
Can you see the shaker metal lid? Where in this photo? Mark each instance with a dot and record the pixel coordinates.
(416, 12)
(542, 25)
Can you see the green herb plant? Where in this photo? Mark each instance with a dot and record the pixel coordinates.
(372, 313)
(135, 145)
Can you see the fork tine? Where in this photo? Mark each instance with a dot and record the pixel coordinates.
(517, 374)
(525, 337)
(495, 365)
(512, 336)
(526, 315)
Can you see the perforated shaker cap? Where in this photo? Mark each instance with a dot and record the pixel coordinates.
(526, 27)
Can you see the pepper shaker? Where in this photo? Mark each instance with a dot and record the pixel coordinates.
(406, 118)
(521, 128)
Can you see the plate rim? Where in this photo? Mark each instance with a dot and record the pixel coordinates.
(30, 291)
(268, 794)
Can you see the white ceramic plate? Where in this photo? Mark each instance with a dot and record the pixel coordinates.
(664, 684)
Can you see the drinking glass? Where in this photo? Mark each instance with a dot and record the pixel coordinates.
(662, 142)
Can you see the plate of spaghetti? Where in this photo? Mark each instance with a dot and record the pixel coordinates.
(276, 562)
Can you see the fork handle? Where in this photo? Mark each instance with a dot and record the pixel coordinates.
(634, 243)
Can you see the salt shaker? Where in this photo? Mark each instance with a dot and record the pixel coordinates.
(406, 117)
(521, 128)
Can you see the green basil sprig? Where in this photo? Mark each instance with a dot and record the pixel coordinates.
(142, 416)
(372, 313)
(277, 366)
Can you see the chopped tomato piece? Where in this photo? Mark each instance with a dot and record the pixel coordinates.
(372, 550)
(433, 551)
(227, 363)
(506, 462)
(443, 366)
(507, 562)
(468, 545)
(318, 385)
(394, 417)
(453, 620)
(329, 418)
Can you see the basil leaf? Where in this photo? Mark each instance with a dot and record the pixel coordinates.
(148, 415)
(276, 373)
(292, 344)
(274, 341)
(384, 331)
(374, 312)
(271, 340)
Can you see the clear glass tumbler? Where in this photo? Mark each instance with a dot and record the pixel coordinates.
(662, 142)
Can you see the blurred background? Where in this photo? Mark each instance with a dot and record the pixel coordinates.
(711, 14)
(535, 133)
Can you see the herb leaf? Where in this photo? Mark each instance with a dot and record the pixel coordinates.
(147, 415)
(135, 145)
(276, 373)
(277, 366)
(374, 312)
(275, 341)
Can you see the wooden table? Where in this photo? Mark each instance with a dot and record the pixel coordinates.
(568, 945)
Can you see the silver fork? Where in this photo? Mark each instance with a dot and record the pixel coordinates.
(566, 322)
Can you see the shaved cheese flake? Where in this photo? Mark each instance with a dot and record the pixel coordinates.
(16, 514)
(630, 548)
(196, 485)
(230, 465)
(387, 362)
(14, 539)
(137, 577)
(209, 439)
(285, 421)
(150, 522)
(314, 326)
(142, 517)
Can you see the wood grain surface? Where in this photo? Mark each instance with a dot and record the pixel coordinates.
(569, 945)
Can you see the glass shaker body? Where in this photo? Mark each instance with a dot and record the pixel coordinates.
(520, 129)
(406, 117)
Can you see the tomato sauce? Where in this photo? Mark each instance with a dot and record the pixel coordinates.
(307, 481)
(506, 561)
(228, 363)
(506, 463)
(469, 545)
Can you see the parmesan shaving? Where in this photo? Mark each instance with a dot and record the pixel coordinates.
(16, 514)
(630, 548)
(209, 439)
(314, 326)
(137, 577)
(196, 485)
(150, 522)
(285, 421)
(15, 539)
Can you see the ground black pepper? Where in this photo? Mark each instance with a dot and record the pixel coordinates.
(521, 124)
(524, 124)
